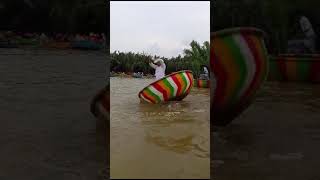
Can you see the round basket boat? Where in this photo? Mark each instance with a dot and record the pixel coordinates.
(100, 104)
(86, 44)
(173, 87)
(201, 83)
(295, 67)
(57, 45)
(7, 44)
(239, 61)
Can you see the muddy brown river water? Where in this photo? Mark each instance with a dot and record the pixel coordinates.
(277, 138)
(170, 140)
(47, 130)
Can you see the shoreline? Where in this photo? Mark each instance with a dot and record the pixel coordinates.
(27, 47)
(48, 51)
(129, 75)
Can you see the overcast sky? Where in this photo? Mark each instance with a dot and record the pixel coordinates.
(158, 28)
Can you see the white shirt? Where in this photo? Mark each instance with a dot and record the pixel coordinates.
(205, 70)
(306, 27)
(160, 70)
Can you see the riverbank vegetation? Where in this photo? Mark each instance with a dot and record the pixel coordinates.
(192, 59)
(64, 16)
(279, 19)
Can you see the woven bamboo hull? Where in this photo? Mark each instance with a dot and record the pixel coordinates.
(239, 62)
(201, 83)
(293, 67)
(100, 104)
(173, 87)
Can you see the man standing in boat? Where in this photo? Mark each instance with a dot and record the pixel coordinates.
(306, 41)
(160, 68)
(205, 75)
(310, 35)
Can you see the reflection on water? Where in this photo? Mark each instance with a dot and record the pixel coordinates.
(277, 137)
(169, 140)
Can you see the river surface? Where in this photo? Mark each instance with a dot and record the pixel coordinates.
(170, 140)
(47, 130)
(276, 138)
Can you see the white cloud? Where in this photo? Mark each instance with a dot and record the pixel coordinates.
(161, 28)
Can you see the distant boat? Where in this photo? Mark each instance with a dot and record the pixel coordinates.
(57, 45)
(86, 44)
(137, 75)
(201, 83)
(7, 44)
(295, 67)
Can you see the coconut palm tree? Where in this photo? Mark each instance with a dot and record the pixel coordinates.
(198, 55)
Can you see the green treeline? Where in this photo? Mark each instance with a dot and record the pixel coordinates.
(193, 58)
(66, 16)
(278, 18)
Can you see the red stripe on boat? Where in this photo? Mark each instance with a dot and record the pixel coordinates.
(282, 67)
(145, 95)
(106, 103)
(191, 82)
(258, 63)
(221, 77)
(163, 91)
(315, 71)
(176, 81)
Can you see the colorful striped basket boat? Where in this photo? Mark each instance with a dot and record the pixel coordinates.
(295, 67)
(173, 87)
(201, 83)
(239, 63)
(100, 104)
